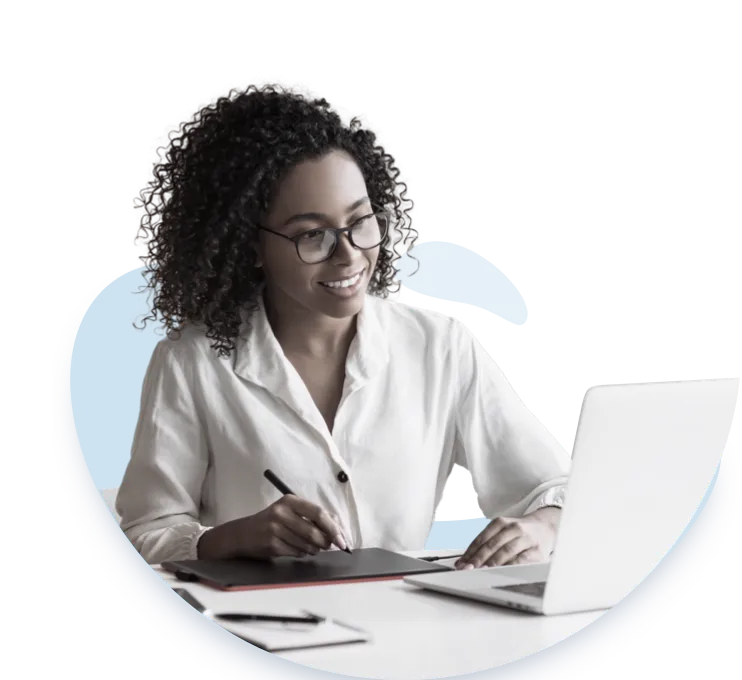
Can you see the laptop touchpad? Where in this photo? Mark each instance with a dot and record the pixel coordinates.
(520, 573)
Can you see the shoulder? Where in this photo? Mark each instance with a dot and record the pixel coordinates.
(400, 319)
(424, 330)
(189, 347)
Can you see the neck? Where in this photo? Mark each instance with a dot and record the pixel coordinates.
(306, 333)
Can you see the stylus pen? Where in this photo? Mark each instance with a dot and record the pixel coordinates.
(273, 479)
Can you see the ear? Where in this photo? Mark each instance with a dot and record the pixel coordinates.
(258, 255)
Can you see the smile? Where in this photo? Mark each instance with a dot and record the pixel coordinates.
(343, 283)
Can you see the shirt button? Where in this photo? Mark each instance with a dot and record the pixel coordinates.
(342, 477)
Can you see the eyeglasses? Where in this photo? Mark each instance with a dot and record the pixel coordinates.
(317, 245)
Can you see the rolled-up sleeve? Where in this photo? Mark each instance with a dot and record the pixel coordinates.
(515, 464)
(160, 495)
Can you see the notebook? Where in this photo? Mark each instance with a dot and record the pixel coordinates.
(331, 566)
(277, 637)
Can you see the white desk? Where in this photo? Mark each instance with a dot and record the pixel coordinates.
(416, 633)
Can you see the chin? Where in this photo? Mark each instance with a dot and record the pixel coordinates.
(341, 309)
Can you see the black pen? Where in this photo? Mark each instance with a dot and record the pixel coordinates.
(191, 600)
(269, 617)
(438, 557)
(273, 479)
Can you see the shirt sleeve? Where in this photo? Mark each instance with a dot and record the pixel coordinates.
(160, 496)
(515, 464)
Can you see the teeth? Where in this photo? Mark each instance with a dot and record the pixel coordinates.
(343, 284)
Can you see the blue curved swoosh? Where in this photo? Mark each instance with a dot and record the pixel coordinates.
(451, 272)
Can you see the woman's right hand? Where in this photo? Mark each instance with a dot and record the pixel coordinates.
(292, 526)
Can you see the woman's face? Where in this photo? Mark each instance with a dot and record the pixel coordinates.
(328, 192)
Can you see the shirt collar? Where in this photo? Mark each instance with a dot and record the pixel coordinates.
(369, 351)
(260, 358)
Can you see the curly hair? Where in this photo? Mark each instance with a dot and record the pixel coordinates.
(220, 174)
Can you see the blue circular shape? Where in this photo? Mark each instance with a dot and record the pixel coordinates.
(234, 657)
(109, 360)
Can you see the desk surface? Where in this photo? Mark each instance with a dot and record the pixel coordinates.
(416, 633)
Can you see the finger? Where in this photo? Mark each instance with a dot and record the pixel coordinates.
(491, 546)
(490, 531)
(288, 534)
(282, 512)
(338, 524)
(508, 551)
(306, 531)
(328, 541)
(320, 517)
(308, 528)
(277, 547)
(527, 557)
(262, 536)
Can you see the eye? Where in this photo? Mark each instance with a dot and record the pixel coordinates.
(364, 223)
(312, 235)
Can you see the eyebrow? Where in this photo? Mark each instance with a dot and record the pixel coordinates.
(321, 216)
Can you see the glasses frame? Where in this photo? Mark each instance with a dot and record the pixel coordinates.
(336, 234)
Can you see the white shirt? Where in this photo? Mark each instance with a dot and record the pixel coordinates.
(420, 394)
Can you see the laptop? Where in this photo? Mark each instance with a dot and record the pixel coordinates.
(643, 458)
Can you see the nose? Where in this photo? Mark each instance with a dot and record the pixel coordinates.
(345, 252)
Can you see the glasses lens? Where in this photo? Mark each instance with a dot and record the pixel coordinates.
(370, 231)
(315, 245)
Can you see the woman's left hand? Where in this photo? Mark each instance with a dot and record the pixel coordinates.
(513, 540)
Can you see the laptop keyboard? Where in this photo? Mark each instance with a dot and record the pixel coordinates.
(536, 589)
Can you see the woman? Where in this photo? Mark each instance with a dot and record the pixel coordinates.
(272, 231)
